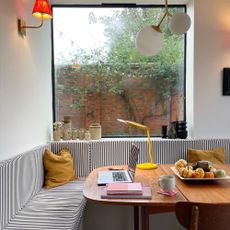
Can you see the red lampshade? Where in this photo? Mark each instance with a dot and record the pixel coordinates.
(42, 9)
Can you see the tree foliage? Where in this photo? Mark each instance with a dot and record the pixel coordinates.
(109, 66)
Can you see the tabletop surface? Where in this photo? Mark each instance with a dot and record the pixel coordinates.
(147, 177)
(203, 191)
(194, 191)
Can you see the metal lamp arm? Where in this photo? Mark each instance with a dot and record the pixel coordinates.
(165, 14)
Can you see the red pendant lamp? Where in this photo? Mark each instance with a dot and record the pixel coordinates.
(41, 10)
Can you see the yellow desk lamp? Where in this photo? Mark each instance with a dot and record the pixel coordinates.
(148, 165)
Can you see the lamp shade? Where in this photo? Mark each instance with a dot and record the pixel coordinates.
(179, 23)
(149, 41)
(42, 9)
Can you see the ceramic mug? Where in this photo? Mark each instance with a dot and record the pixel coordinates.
(167, 183)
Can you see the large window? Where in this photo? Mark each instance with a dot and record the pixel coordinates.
(100, 76)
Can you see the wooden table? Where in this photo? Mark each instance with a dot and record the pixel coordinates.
(194, 191)
(203, 191)
(159, 203)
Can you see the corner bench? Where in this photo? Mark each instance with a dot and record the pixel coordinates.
(25, 204)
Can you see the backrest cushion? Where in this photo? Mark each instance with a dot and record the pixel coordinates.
(216, 155)
(21, 178)
(58, 168)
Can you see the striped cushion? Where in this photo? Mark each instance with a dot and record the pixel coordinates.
(165, 151)
(21, 178)
(57, 208)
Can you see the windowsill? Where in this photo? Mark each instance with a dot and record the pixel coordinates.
(134, 139)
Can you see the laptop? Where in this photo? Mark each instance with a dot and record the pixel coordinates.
(120, 176)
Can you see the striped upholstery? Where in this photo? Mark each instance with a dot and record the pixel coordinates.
(109, 152)
(56, 208)
(24, 204)
(169, 151)
(115, 152)
(20, 179)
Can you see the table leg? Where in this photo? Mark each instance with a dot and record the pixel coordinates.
(144, 218)
(136, 218)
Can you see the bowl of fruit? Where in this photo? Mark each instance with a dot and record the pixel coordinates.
(201, 170)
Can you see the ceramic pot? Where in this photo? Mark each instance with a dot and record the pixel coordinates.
(95, 131)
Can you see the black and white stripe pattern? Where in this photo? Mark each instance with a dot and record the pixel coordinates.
(165, 151)
(169, 151)
(57, 208)
(106, 152)
(20, 179)
(25, 205)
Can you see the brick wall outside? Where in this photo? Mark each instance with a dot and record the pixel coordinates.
(104, 107)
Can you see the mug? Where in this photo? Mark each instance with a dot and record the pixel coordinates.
(167, 183)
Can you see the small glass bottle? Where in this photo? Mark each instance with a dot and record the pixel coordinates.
(57, 131)
(81, 134)
(74, 134)
(87, 135)
(67, 128)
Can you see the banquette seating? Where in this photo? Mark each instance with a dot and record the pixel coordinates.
(26, 204)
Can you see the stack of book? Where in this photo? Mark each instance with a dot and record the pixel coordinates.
(133, 190)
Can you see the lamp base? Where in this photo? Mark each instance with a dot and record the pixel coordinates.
(148, 165)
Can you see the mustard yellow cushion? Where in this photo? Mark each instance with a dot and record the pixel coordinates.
(216, 155)
(58, 168)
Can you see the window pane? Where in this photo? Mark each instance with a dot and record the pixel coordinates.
(101, 76)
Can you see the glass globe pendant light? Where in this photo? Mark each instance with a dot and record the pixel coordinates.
(150, 39)
(179, 23)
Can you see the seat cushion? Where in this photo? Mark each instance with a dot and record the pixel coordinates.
(56, 208)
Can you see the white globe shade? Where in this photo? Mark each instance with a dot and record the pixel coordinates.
(149, 41)
(179, 23)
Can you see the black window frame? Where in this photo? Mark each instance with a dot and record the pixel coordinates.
(115, 5)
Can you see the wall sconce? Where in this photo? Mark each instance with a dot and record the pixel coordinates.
(150, 164)
(41, 10)
(149, 40)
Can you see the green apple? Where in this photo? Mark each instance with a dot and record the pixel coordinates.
(220, 173)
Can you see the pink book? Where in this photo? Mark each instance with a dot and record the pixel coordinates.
(146, 194)
(124, 188)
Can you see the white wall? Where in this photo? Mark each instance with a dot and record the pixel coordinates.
(211, 54)
(190, 71)
(25, 81)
